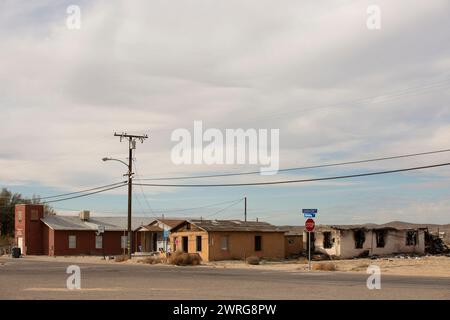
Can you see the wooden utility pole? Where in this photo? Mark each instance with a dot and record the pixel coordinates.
(131, 145)
(245, 209)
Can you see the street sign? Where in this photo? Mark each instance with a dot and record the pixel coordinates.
(309, 225)
(100, 229)
(309, 215)
(309, 210)
(166, 234)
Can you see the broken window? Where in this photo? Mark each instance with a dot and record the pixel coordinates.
(199, 243)
(411, 237)
(380, 236)
(360, 238)
(327, 243)
(224, 243)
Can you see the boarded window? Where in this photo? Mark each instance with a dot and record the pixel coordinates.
(327, 244)
(199, 243)
(34, 215)
(360, 238)
(258, 243)
(123, 242)
(411, 237)
(224, 243)
(380, 236)
(98, 242)
(72, 242)
(19, 215)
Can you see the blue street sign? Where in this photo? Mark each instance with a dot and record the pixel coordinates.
(166, 234)
(309, 210)
(309, 215)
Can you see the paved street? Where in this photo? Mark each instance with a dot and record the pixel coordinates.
(33, 279)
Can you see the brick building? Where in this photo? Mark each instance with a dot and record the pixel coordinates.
(71, 235)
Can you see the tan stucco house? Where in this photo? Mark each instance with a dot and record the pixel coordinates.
(228, 239)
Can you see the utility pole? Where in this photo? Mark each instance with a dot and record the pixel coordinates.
(131, 145)
(245, 209)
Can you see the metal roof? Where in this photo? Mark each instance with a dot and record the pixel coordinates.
(111, 223)
(235, 225)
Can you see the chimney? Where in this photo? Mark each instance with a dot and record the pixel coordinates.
(84, 215)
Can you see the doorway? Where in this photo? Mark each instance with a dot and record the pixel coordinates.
(185, 244)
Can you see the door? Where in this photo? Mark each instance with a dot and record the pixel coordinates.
(20, 244)
(155, 241)
(185, 244)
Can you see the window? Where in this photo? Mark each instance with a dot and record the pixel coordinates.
(34, 215)
(327, 243)
(175, 242)
(185, 244)
(258, 243)
(380, 237)
(291, 242)
(72, 242)
(19, 215)
(360, 238)
(98, 242)
(411, 238)
(199, 243)
(124, 242)
(224, 243)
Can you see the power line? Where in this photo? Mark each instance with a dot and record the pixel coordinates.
(82, 191)
(301, 168)
(142, 189)
(297, 181)
(85, 195)
(224, 209)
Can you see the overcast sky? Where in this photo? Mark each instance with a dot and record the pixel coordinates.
(336, 90)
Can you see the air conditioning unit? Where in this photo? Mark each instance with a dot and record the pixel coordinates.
(84, 215)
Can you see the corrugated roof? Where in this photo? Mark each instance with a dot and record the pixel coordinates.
(111, 223)
(152, 228)
(235, 225)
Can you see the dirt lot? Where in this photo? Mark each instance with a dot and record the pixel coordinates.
(433, 266)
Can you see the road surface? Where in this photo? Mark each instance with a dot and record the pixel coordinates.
(45, 279)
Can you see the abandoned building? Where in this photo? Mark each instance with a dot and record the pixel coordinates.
(228, 239)
(293, 240)
(70, 235)
(155, 236)
(349, 241)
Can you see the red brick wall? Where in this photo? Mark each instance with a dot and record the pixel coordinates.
(29, 229)
(85, 243)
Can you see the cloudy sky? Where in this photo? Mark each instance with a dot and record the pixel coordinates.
(337, 91)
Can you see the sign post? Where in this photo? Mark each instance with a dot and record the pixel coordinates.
(309, 226)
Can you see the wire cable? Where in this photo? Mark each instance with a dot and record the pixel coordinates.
(84, 195)
(82, 191)
(301, 168)
(296, 181)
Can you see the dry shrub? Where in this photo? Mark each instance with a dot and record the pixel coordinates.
(151, 260)
(185, 259)
(302, 260)
(324, 266)
(253, 260)
(121, 258)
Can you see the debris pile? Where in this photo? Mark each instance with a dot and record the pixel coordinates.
(435, 245)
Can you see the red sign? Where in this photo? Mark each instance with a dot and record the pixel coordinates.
(309, 225)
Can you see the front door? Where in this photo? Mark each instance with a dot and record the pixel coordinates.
(20, 244)
(155, 241)
(185, 244)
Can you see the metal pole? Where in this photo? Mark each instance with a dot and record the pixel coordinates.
(130, 188)
(309, 250)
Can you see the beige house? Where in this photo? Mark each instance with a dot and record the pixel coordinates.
(228, 239)
(349, 241)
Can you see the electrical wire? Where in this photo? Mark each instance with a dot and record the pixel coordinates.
(84, 195)
(296, 181)
(301, 168)
(224, 209)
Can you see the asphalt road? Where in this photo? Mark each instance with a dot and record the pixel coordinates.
(30, 279)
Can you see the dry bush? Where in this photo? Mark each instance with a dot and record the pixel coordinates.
(253, 260)
(151, 260)
(302, 260)
(185, 259)
(324, 267)
(121, 258)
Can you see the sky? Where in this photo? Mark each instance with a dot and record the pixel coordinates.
(335, 89)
